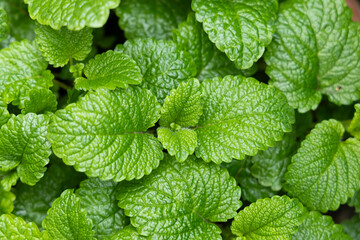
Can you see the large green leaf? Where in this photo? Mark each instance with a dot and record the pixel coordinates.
(151, 18)
(269, 218)
(99, 200)
(22, 68)
(75, 14)
(315, 51)
(67, 220)
(210, 62)
(240, 117)
(319, 227)
(163, 64)
(240, 28)
(325, 171)
(12, 227)
(190, 196)
(109, 70)
(104, 134)
(23, 145)
(58, 46)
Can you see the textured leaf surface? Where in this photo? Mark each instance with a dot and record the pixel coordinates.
(99, 200)
(33, 202)
(240, 116)
(325, 171)
(163, 64)
(75, 14)
(40, 101)
(251, 189)
(319, 227)
(23, 144)
(109, 70)
(242, 29)
(128, 233)
(316, 51)
(12, 227)
(4, 113)
(269, 218)
(66, 219)
(151, 18)
(4, 28)
(189, 197)
(22, 68)
(210, 62)
(270, 165)
(354, 128)
(103, 134)
(6, 201)
(352, 227)
(58, 46)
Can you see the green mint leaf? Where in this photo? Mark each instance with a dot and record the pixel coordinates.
(317, 226)
(40, 101)
(240, 117)
(12, 227)
(355, 201)
(128, 233)
(240, 28)
(22, 68)
(103, 134)
(317, 55)
(99, 200)
(352, 227)
(66, 220)
(190, 196)
(6, 201)
(269, 218)
(4, 28)
(20, 24)
(4, 113)
(179, 143)
(75, 14)
(251, 189)
(77, 70)
(151, 18)
(270, 165)
(325, 171)
(23, 144)
(183, 106)
(109, 70)
(354, 127)
(58, 46)
(33, 202)
(163, 64)
(9, 179)
(210, 62)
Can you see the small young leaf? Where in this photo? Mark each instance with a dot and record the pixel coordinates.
(241, 116)
(99, 200)
(109, 70)
(269, 218)
(23, 144)
(316, 51)
(128, 233)
(354, 128)
(352, 227)
(163, 64)
(9, 179)
(12, 227)
(6, 201)
(103, 134)
(4, 28)
(325, 171)
(40, 101)
(151, 18)
(319, 227)
(210, 62)
(66, 220)
(355, 201)
(4, 113)
(75, 14)
(22, 68)
(190, 196)
(270, 165)
(240, 28)
(58, 46)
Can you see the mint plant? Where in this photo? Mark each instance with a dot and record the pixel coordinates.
(175, 119)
